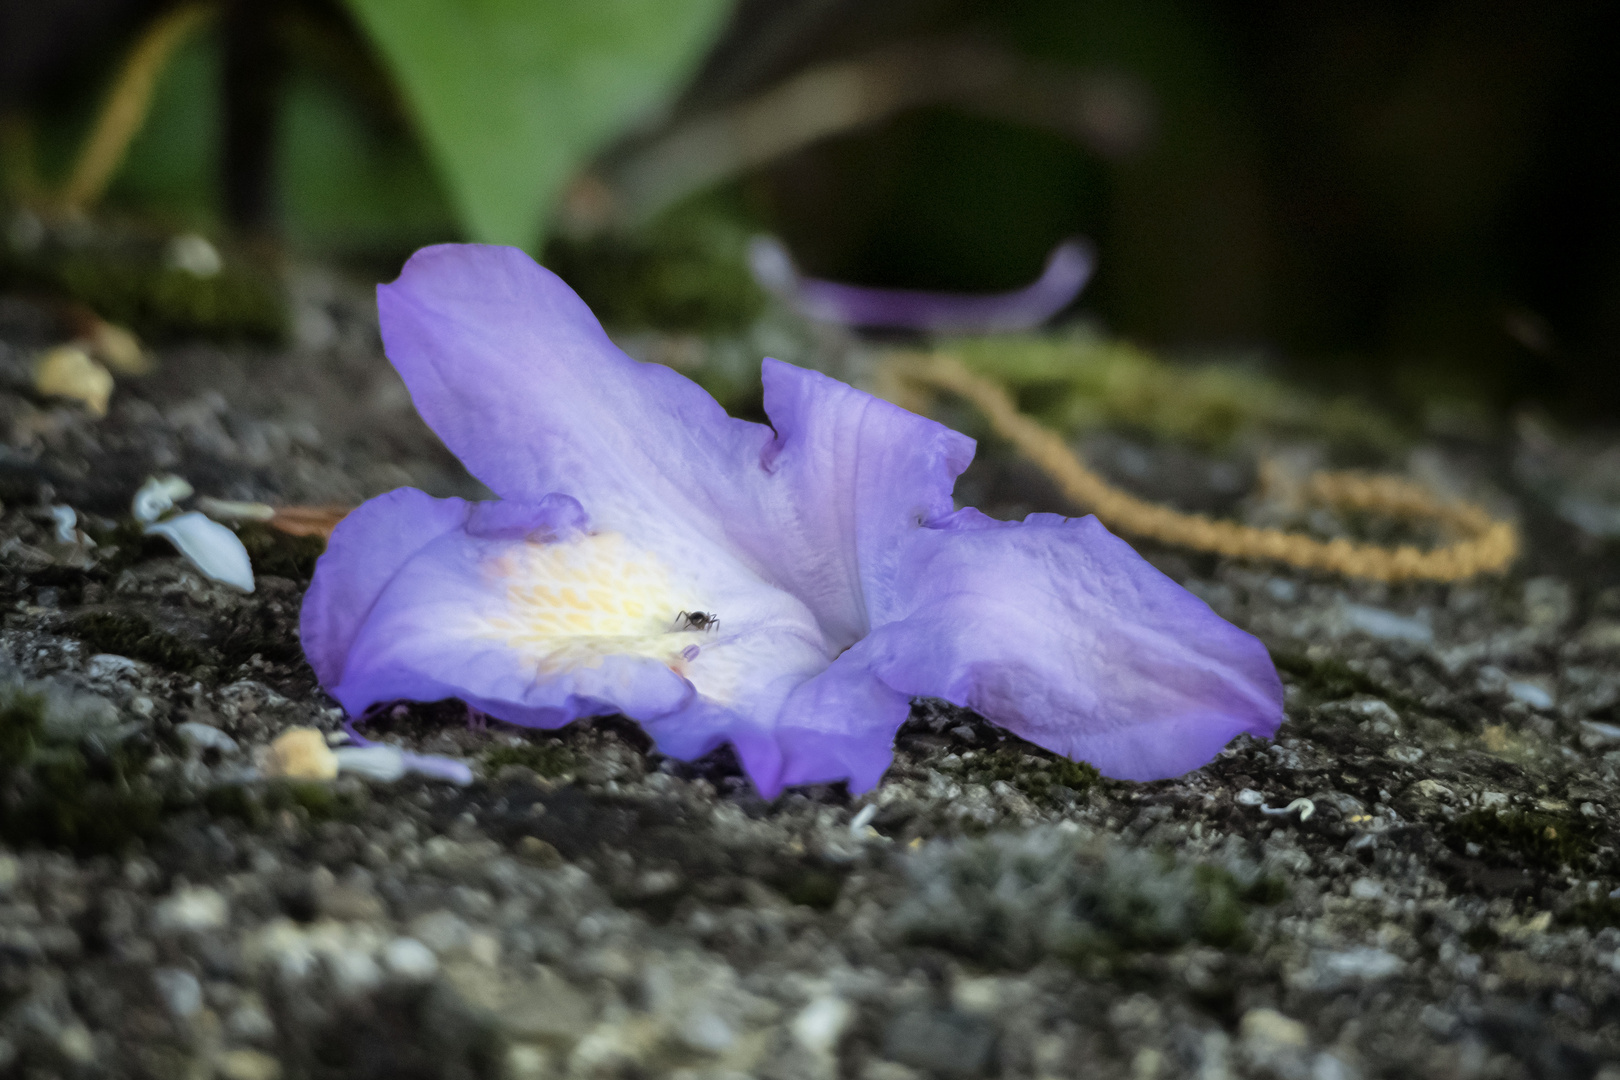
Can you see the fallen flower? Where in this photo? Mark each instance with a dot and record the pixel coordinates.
(1067, 270)
(787, 591)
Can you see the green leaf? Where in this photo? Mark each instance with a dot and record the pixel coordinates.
(512, 96)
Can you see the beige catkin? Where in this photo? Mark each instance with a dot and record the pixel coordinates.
(1487, 544)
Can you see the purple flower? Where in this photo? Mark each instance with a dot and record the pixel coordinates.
(788, 591)
(1067, 270)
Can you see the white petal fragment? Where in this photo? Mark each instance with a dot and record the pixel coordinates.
(226, 510)
(157, 496)
(211, 547)
(377, 762)
(66, 520)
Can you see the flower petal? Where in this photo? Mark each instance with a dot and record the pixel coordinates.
(852, 475)
(444, 627)
(540, 625)
(209, 546)
(514, 373)
(838, 726)
(1058, 631)
(1067, 270)
(366, 550)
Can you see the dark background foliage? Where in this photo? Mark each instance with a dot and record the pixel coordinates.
(1416, 196)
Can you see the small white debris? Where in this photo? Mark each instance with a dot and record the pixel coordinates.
(1326, 1066)
(210, 547)
(705, 1031)
(1434, 789)
(1597, 733)
(195, 255)
(1268, 1030)
(111, 666)
(1249, 797)
(1304, 807)
(409, 959)
(820, 1024)
(66, 520)
(352, 971)
(247, 1065)
(1366, 888)
(1531, 694)
(1364, 964)
(1375, 711)
(1386, 625)
(859, 824)
(190, 909)
(226, 510)
(180, 991)
(157, 497)
(379, 762)
(204, 737)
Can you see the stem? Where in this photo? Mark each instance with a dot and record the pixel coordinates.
(127, 104)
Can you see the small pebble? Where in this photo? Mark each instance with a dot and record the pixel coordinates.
(410, 960)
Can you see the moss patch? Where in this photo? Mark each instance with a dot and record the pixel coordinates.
(129, 634)
(275, 552)
(1036, 773)
(124, 276)
(687, 272)
(1012, 899)
(1530, 838)
(68, 784)
(1080, 381)
(1328, 679)
(544, 759)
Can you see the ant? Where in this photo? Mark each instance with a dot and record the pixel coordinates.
(696, 620)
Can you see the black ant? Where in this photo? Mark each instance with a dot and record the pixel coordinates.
(696, 620)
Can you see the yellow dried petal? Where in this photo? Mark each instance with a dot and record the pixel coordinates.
(67, 371)
(118, 348)
(301, 753)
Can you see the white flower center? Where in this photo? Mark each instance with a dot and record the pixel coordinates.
(570, 604)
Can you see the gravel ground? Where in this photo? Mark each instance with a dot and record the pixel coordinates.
(1415, 878)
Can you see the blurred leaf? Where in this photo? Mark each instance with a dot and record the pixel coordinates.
(512, 95)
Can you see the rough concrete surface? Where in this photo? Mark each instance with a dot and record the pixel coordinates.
(1414, 879)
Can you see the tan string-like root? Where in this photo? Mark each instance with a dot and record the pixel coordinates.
(127, 103)
(1488, 544)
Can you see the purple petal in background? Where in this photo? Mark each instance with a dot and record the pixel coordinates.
(1067, 270)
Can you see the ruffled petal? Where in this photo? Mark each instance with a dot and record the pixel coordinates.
(365, 552)
(838, 726)
(851, 476)
(1058, 631)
